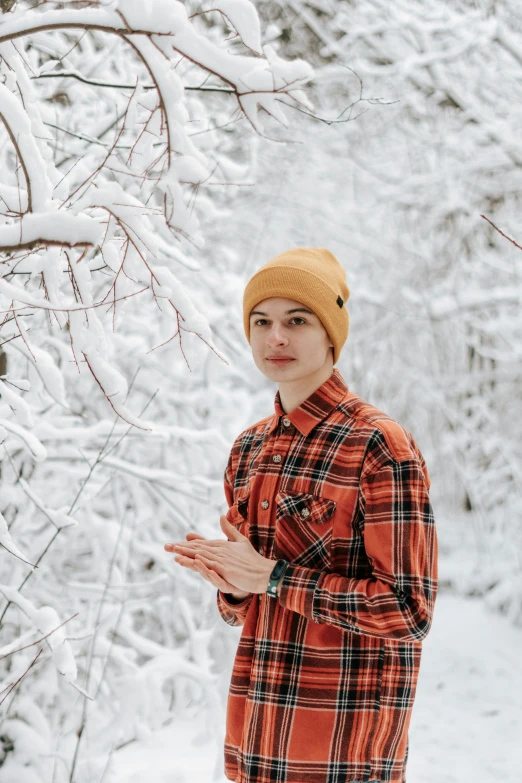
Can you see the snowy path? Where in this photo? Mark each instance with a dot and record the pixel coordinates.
(467, 718)
(466, 723)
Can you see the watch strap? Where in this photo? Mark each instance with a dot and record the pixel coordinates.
(276, 576)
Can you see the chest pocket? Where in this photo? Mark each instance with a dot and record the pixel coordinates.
(303, 530)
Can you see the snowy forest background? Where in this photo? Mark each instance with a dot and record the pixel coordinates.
(152, 156)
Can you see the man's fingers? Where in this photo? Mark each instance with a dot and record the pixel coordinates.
(190, 538)
(207, 573)
(188, 562)
(215, 579)
(211, 565)
(196, 546)
(213, 557)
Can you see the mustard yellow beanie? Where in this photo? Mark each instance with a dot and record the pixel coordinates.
(311, 275)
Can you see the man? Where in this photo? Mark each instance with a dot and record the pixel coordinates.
(331, 560)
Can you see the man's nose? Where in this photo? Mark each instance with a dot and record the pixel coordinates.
(276, 334)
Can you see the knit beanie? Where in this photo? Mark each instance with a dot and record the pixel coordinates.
(311, 275)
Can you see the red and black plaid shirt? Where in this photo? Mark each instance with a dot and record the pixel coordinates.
(325, 674)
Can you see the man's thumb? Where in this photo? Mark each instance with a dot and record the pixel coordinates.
(231, 530)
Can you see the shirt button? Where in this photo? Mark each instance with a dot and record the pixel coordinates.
(261, 550)
(276, 458)
(264, 504)
(305, 512)
(287, 422)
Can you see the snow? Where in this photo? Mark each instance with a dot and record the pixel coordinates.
(7, 542)
(13, 114)
(59, 517)
(45, 619)
(155, 16)
(41, 362)
(188, 169)
(243, 17)
(35, 448)
(182, 302)
(467, 716)
(15, 199)
(52, 227)
(165, 477)
(17, 403)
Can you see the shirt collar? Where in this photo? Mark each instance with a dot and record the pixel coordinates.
(315, 408)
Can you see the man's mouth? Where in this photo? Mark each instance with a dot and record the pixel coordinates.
(280, 359)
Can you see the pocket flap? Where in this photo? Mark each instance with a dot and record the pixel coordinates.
(305, 507)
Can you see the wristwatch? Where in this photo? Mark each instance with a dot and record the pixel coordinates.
(276, 576)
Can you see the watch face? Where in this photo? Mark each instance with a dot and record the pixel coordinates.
(278, 570)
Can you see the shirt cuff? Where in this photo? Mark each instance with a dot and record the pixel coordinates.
(297, 588)
(234, 602)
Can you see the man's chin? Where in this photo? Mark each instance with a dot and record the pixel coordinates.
(276, 372)
(293, 371)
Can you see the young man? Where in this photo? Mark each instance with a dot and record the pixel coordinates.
(331, 560)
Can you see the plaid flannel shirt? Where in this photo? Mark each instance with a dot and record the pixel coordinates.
(325, 674)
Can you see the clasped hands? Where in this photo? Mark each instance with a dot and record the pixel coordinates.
(234, 566)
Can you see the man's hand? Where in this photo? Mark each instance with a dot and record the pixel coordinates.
(233, 566)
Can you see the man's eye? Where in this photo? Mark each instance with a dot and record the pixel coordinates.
(295, 318)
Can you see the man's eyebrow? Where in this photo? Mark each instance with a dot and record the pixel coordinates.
(295, 310)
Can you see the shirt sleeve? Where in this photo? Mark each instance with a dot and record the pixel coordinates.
(398, 528)
(232, 613)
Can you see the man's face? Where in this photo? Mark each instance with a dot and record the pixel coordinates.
(300, 335)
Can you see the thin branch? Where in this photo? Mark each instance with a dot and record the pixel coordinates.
(54, 308)
(18, 556)
(81, 78)
(41, 639)
(501, 232)
(21, 159)
(21, 677)
(83, 721)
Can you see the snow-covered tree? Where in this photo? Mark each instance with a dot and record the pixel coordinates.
(113, 133)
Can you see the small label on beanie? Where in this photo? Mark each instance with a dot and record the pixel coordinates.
(340, 301)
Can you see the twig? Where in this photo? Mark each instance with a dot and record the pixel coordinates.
(37, 641)
(81, 78)
(20, 678)
(501, 232)
(83, 721)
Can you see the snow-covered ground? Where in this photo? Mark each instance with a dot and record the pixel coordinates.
(467, 718)
(466, 722)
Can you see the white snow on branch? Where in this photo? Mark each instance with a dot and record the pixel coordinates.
(15, 199)
(242, 15)
(7, 542)
(16, 402)
(159, 475)
(52, 227)
(18, 124)
(179, 297)
(46, 620)
(59, 517)
(43, 364)
(36, 448)
(63, 431)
